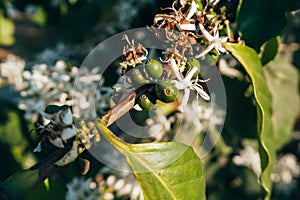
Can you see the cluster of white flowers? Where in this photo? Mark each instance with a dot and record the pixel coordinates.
(198, 117)
(46, 84)
(159, 126)
(286, 169)
(286, 175)
(79, 189)
(108, 185)
(85, 97)
(248, 157)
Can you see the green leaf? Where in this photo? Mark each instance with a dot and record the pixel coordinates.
(48, 191)
(251, 62)
(238, 125)
(283, 80)
(7, 29)
(269, 50)
(167, 170)
(258, 21)
(19, 185)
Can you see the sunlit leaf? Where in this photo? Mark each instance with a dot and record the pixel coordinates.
(39, 16)
(167, 170)
(283, 81)
(7, 29)
(251, 62)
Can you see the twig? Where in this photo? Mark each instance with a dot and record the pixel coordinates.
(119, 110)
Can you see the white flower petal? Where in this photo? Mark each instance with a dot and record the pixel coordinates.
(185, 99)
(187, 27)
(137, 107)
(202, 93)
(175, 69)
(57, 142)
(119, 184)
(38, 148)
(205, 33)
(68, 133)
(67, 118)
(190, 74)
(192, 11)
(179, 85)
(206, 51)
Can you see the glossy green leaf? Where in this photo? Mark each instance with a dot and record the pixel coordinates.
(165, 171)
(48, 191)
(269, 50)
(258, 21)
(19, 185)
(251, 62)
(283, 81)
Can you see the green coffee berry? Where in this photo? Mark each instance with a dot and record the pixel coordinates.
(144, 102)
(166, 91)
(137, 76)
(154, 69)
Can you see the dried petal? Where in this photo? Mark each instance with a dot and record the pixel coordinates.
(69, 157)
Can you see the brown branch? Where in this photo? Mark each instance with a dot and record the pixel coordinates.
(119, 110)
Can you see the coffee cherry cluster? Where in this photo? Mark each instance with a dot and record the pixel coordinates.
(151, 84)
(145, 73)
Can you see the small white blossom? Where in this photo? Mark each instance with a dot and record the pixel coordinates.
(109, 184)
(199, 117)
(12, 70)
(286, 169)
(214, 41)
(186, 83)
(250, 158)
(159, 126)
(285, 176)
(227, 69)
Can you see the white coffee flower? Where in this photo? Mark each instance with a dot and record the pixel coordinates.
(187, 83)
(250, 158)
(214, 41)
